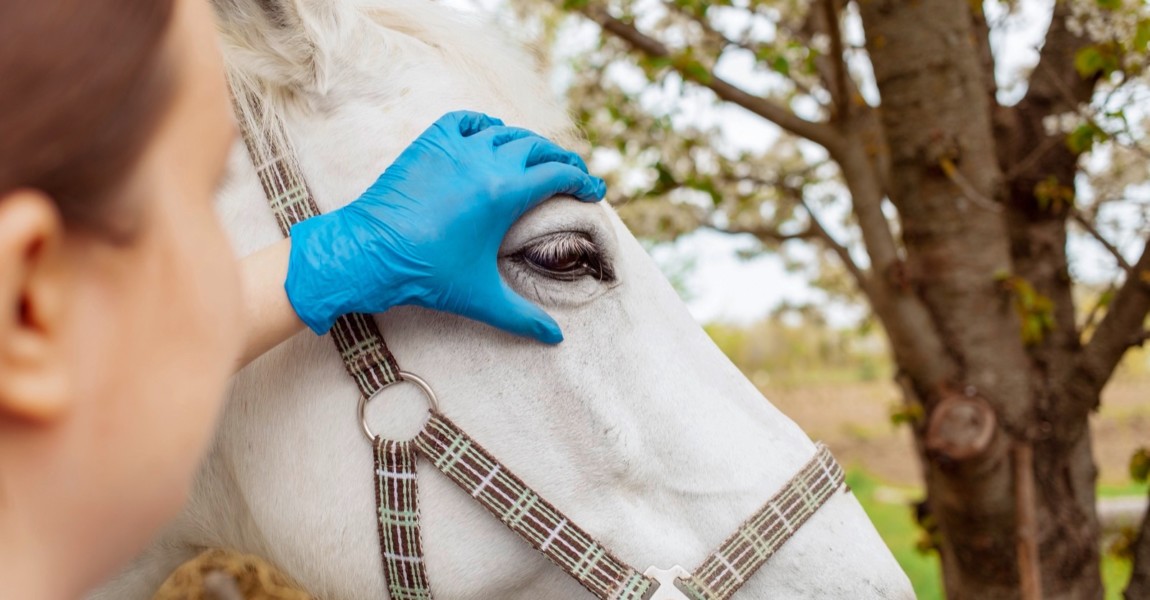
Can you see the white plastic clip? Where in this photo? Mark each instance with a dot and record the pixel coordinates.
(666, 579)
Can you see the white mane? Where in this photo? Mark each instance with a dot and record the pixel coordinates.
(297, 67)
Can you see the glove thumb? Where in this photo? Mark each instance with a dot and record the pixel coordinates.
(511, 312)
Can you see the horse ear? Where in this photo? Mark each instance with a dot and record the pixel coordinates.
(284, 43)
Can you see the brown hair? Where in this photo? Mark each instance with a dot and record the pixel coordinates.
(82, 87)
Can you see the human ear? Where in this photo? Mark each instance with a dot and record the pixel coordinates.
(33, 292)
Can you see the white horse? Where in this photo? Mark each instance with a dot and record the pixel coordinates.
(636, 426)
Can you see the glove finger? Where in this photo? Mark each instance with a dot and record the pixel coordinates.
(498, 136)
(513, 313)
(553, 178)
(537, 150)
(467, 122)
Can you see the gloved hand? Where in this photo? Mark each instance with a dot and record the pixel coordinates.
(428, 231)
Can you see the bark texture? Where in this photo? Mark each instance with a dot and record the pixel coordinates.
(936, 113)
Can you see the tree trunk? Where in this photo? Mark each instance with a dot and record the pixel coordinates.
(970, 237)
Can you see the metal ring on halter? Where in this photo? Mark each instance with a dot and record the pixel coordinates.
(417, 381)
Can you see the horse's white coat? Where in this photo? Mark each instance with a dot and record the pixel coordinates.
(636, 426)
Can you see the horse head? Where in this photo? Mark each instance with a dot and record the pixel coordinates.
(636, 426)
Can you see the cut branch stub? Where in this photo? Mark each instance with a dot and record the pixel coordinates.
(961, 427)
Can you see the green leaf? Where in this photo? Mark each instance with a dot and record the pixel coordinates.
(654, 66)
(1124, 543)
(1035, 311)
(1082, 139)
(664, 180)
(1109, 4)
(695, 70)
(781, 65)
(690, 67)
(1142, 35)
(1089, 61)
(1101, 59)
(1050, 195)
(1032, 329)
(810, 64)
(906, 413)
(926, 543)
(1106, 298)
(1140, 465)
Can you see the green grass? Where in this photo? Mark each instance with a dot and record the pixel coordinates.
(1109, 490)
(895, 523)
(1115, 574)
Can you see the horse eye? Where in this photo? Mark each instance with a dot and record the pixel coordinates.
(565, 256)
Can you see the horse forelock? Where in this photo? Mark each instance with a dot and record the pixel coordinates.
(300, 62)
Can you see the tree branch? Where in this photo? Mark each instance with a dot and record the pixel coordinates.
(764, 234)
(1033, 156)
(1096, 362)
(1028, 154)
(814, 231)
(1125, 314)
(1097, 308)
(1055, 85)
(819, 133)
(818, 231)
(969, 191)
(840, 92)
(840, 250)
(1097, 235)
(726, 41)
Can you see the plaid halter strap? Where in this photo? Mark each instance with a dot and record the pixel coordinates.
(465, 462)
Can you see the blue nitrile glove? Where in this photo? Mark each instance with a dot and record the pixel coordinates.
(428, 231)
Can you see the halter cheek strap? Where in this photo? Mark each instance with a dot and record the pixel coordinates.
(465, 462)
(356, 336)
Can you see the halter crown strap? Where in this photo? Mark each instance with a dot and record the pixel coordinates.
(360, 345)
(356, 336)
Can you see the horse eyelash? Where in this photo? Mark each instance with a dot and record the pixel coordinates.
(562, 245)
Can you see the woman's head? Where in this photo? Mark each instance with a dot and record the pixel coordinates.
(76, 110)
(119, 297)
